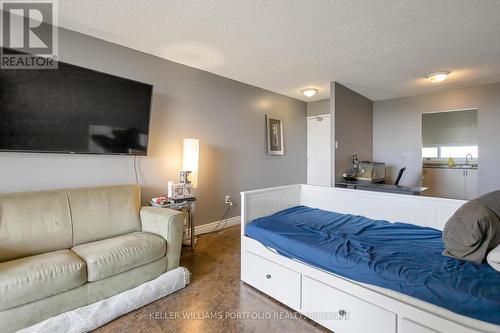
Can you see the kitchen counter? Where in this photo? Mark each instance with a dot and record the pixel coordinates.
(368, 186)
(445, 166)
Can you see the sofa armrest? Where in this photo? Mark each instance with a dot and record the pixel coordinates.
(169, 224)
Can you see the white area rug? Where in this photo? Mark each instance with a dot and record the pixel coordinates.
(92, 316)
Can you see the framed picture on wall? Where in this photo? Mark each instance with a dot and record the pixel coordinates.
(274, 131)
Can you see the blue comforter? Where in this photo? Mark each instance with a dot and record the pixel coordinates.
(398, 256)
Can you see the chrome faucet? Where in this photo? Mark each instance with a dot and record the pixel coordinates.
(467, 158)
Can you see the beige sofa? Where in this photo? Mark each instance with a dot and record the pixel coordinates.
(63, 249)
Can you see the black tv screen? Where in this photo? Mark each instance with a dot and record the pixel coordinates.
(73, 110)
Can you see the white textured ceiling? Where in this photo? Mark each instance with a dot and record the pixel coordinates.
(381, 49)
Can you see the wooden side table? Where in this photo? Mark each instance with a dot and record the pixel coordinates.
(185, 206)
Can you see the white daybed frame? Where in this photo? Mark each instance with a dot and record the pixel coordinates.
(337, 303)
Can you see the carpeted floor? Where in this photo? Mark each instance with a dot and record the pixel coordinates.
(215, 300)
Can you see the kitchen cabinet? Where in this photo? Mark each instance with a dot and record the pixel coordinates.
(471, 184)
(431, 179)
(454, 183)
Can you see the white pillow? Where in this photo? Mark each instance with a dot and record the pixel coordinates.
(493, 258)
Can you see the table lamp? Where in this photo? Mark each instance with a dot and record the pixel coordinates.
(191, 156)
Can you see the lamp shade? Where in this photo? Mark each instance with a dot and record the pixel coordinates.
(191, 156)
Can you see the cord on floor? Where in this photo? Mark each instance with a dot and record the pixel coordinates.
(221, 229)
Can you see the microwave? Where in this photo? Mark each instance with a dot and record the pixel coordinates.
(372, 171)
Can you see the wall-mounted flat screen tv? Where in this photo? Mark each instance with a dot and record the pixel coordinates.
(73, 110)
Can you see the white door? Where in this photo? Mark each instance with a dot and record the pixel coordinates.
(318, 150)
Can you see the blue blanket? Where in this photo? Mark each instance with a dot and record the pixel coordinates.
(398, 256)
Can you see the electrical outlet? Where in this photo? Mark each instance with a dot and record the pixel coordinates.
(227, 200)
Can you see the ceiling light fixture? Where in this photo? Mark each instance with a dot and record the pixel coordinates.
(438, 77)
(309, 92)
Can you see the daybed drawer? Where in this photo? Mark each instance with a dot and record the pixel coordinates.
(324, 304)
(275, 280)
(409, 326)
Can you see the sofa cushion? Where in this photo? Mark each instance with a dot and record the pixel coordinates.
(34, 222)
(118, 254)
(103, 212)
(32, 278)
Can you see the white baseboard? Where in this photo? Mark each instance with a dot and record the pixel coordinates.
(203, 229)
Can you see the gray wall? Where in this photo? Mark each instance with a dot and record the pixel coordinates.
(318, 107)
(457, 128)
(397, 123)
(227, 116)
(353, 127)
